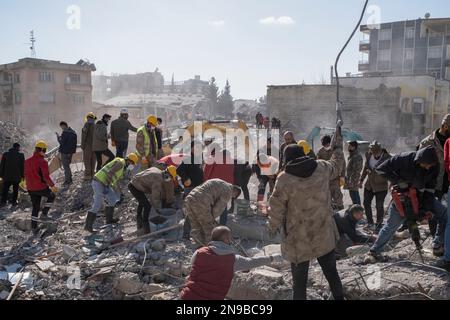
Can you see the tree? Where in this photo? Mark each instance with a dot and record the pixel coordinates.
(225, 104)
(212, 96)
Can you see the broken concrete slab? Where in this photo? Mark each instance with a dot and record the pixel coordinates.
(251, 228)
(128, 283)
(158, 245)
(271, 250)
(69, 253)
(21, 221)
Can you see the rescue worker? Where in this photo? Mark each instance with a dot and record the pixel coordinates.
(376, 185)
(39, 184)
(268, 167)
(309, 152)
(100, 142)
(301, 207)
(105, 186)
(87, 140)
(119, 133)
(11, 172)
(213, 267)
(150, 181)
(67, 148)
(353, 172)
(418, 170)
(324, 153)
(205, 204)
(289, 139)
(147, 143)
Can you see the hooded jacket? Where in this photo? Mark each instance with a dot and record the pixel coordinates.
(68, 141)
(100, 140)
(433, 140)
(301, 206)
(12, 166)
(375, 183)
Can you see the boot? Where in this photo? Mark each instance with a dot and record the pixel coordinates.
(145, 223)
(90, 219)
(109, 215)
(139, 222)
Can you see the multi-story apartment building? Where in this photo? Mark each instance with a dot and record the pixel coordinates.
(412, 47)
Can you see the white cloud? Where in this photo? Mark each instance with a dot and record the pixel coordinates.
(216, 23)
(284, 20)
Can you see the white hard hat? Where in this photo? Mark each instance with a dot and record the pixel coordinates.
(124, 111)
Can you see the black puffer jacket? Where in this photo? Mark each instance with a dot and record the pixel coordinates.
(68, 142)
(12, 166)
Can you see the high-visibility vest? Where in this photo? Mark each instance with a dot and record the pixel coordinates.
(104, 177)
(144, 131)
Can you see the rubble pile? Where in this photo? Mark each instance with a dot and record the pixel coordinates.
(10, 134)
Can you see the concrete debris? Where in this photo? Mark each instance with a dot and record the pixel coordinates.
(10, 134)
(44, 265)
(159, 245)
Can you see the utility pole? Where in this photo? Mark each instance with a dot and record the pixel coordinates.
(32, 42)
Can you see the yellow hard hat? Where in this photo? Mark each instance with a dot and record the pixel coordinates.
(172, 170)
(306, 147)
(133, 158)
(41, 145)
(91, 115)
(153, 120)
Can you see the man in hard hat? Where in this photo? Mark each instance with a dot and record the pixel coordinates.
(147, 143)
(100, 143)
(119, 133)
(105, 186)
(151, 181)
(39, 183)
(205, 204)
(309, 152)
(87, 138)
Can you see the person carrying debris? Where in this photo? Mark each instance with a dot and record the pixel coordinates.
(324, 153)
(87, 140)
(11, 172)
(413, 177)
(67, 148)
(353, 172)
(105, 186)
(346, 221)
(100, 142)
(301, 206)
(147, 143)
(214, 265)
(376, 185)
(39, 183)
(205, 204)
(150, 181)
(119, 133)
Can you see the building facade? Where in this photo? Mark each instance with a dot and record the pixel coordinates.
(414, 47)
(41, 93)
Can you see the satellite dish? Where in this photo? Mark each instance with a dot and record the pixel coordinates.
(427, 15)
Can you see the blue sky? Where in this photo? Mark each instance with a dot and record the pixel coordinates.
(242, 40)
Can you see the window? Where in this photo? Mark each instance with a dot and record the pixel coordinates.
(418, 106)
(409, 54)
(17, 97)
(74, 78)
(435, 34)
(435, 53)
(16, 77)
(385, 34)
(47, 98)
(77, 99)
(108, 82)
(384, 55)
(46, 76)
(410, 33)
(448, 29)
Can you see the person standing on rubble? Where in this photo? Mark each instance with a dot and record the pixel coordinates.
(288, 140)
(205, 204)
(214, 265)
(412, 171)
(376, 185)
(39, 184)
(301, 207)
(87, 139)
(100, 142)
(324, 153)
(159, 138)
(353, 172)
(119, 133)
(12, 172)
(150, 181)
(105, 186)
(67, 148)
(147, 143)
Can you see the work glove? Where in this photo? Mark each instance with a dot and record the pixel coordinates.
(277, 258)
(54, 189)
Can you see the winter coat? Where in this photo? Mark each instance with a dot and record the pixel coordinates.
(354, 167)
(12, 166)
(189, 171)
(432, 140)
(100, 141)
(68, 141)
(282, 148)
(346, 225)
(324, 154)
(375, 183)
(37, 176)
(120, 128)
(208, 201)
(242, 173)
(155, 183)
(87, 135)
(301, 206)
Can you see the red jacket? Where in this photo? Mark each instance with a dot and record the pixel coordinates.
(37, 176)
(211, 276)
(173, 159)
(223, 171)
(447, 158)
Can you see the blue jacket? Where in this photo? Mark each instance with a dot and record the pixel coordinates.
(68, 142)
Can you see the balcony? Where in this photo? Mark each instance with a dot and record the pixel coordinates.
(77, 86)
(363, 66)
(364, 46)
